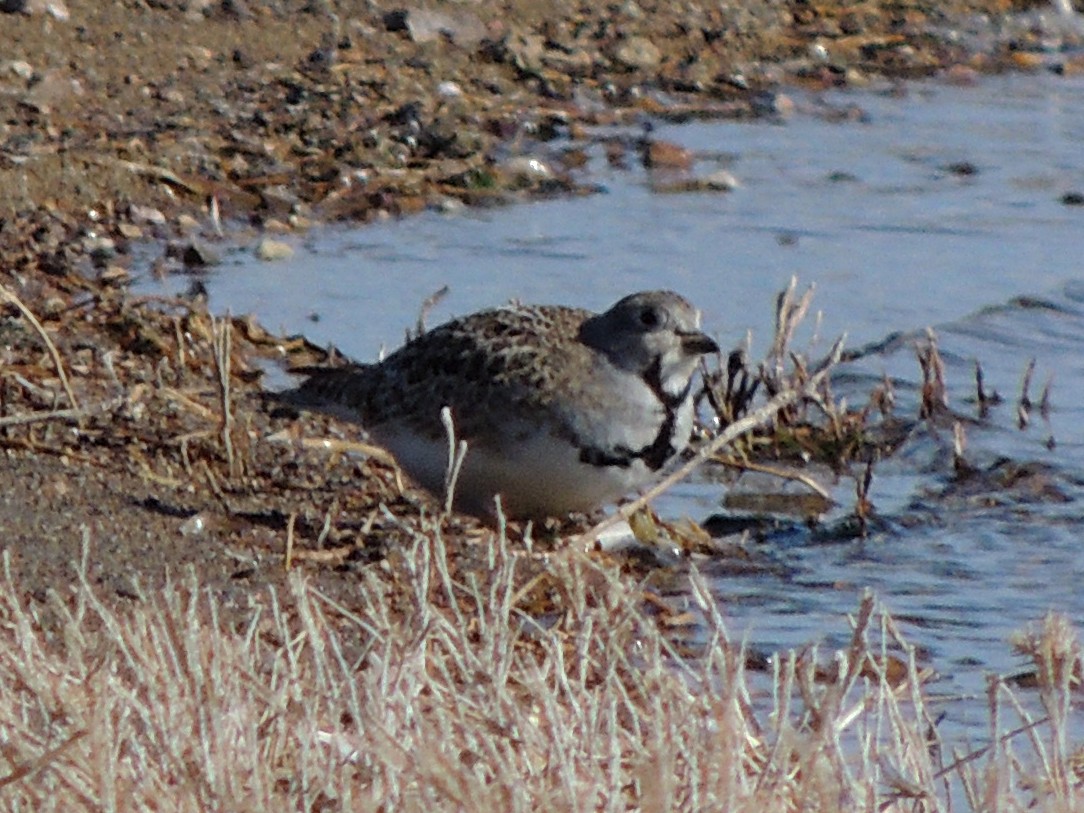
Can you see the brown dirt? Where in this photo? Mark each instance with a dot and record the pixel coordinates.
(124, 123)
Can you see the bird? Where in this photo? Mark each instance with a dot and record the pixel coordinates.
(562, 410)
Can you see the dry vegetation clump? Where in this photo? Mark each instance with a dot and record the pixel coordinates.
(814, 427)
(465, 703)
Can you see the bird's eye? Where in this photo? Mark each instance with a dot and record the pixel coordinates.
(649, 317)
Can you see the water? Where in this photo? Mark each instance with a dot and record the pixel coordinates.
(941, 208)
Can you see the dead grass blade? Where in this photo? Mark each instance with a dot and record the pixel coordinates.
(11, 297)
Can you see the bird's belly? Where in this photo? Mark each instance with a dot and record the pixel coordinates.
(539, 475)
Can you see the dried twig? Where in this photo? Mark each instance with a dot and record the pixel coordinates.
(336, 447)
(30, 317)
(1023, 406)
(291, 522)
(985, 399)
(430, 302)
(60, 414)
(934, 392)
(1044, 398)
(775, 471)
(456, 454)
(788, 315)
(24, 770)
(222, 341)
(862, 505)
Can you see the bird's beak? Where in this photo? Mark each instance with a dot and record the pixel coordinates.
(695, 343)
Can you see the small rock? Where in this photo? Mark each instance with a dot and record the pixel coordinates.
(962, 168)
(170, 94)
(129, 231)
(395, 20)
(19, 67)
(276, 226)
(199, 56)
(1072, 66)
(526, 169)
(198, 255)
(574, 158)
(270, 250)
(1026, 61)
(772, 103)
(114, 275)
(666, 155)
(145, 214)
(721, 181)
(197, 9)
(100, 249)
(783, 104)
(576, 63)
(187, 224)
(195, 525)
(237, 9)
(638, 53)
(962, 75)
(449, 90)
(445, 204)
(52, 87)
(526, 50)
(462, 27)
(55, 8)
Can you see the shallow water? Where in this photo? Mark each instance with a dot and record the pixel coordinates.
(941, 207)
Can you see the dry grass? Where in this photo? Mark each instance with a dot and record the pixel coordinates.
(462, 702)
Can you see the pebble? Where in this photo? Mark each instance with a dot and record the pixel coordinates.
(961, 168)
(186, 223)
(99, 248)
(52, 88)
(527, 168)
(199, 255)
(195, 525)
(145, 214)
(449, 90)
(771, 103)
(115, 275)
(19, 67)
(462, 27)
(269, 250)
(55, 8)
(447, 205)
(666, 155)
(526, 50)
(276, 226)
(638, 53)
(721, 180)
